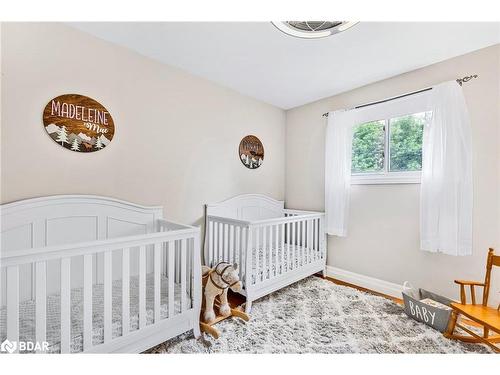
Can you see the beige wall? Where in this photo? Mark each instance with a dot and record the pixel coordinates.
(383, 239)
(176, 135)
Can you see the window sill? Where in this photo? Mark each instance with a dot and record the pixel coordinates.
(387, 178)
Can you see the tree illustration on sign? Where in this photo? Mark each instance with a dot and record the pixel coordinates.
(75, 146)
(98, 143)
(62, 135)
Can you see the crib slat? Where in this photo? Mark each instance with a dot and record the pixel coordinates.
(303, 241)
(170, 275)
(231, 244)
(257, 254)
(269, 252)
(313, 247)
(288, 235)
(221, 243)
(297, 243)
(216, 244)
(323, 239)
(268, 248)
(142, 286)
(125, 291)
(225, 249)
(177, 261)
(210, 242)
(316, 239)
(282, 245)
(184, 275)
(214, 247)
(313, 239)
(264, 253)
(317, 235)
(319, 239)
(272, 250)
(13, 305)
(299, 240)
(234, 245)
(157, 285)
(308, 241)
(248, 237)
(108, 298)
(65, 305)
(293, 245)
(241, 264)
(87, 301)
(277, 263)
(41, 302)
(306, 238)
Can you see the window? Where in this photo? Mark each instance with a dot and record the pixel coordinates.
(388, 150)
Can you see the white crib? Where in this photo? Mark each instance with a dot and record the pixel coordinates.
(274, 247)
(93, 274)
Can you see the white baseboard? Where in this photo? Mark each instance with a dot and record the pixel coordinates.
(377, 285)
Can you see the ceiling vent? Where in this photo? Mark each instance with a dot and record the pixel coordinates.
(312, 29)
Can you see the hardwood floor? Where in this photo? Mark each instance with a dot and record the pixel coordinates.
(339, 282)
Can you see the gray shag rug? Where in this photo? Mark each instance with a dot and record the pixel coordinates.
(317, 316)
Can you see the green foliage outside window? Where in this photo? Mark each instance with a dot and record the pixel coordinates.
(368, 147)
(405, 144)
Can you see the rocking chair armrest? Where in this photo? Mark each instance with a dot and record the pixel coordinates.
(467, 282)
(472, 284)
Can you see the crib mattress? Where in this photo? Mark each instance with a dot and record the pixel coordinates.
(27, 313)
(277, 266)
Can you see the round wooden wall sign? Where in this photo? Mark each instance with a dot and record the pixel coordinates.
(251, 152)
(78, 123)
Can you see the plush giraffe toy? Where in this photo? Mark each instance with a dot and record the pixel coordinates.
(217, 281)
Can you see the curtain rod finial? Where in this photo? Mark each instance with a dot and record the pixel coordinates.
(460, 81)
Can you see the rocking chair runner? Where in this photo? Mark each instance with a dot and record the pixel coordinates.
(487, 317)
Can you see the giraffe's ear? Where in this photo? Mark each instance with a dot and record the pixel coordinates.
(235, 266)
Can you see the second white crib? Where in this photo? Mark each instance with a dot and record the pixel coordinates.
(274, 247)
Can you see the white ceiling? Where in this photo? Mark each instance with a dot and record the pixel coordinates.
(258, 60)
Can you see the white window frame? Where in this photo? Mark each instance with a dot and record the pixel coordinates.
(388, 110)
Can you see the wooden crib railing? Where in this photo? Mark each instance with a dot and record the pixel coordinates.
(175, 255)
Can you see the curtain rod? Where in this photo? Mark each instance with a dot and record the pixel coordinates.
(460, 81)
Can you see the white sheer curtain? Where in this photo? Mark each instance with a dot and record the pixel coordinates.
(446, 187)
(338, 148)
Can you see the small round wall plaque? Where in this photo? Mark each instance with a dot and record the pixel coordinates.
(78, 123)
(251, 152)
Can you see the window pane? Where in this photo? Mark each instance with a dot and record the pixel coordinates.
(406, 142)
(368, 147)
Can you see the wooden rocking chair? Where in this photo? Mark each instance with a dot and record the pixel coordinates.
(481, 314)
